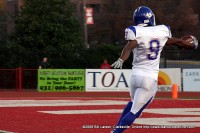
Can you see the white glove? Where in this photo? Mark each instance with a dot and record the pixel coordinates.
(195, 41)
(118, 64)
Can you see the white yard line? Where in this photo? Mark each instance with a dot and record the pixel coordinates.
(3, 131)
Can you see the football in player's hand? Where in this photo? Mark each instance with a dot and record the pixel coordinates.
(191, 39)
(188, 38)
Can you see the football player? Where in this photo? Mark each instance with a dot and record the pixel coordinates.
(146, 40)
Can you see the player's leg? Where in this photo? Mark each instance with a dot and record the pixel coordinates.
(129, 104)
(130, 117)
(125, 111)
(141, 98)
(144, 94)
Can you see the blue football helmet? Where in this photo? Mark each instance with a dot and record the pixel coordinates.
(144, 16)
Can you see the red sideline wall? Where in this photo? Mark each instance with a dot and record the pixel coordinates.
(14, 94)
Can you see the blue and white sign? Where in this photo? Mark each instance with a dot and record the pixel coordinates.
(191, 80)
(107, 79)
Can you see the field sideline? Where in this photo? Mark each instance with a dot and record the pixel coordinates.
(14, 94)
(33, 112)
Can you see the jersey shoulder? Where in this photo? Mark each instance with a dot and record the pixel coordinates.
(166, 29)
(130, 33)
(133, 32)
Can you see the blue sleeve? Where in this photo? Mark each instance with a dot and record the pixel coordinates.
(133, 29)
(130, 33)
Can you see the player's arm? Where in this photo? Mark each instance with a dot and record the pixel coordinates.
(125, 54)
(128, 49)
(192, 44)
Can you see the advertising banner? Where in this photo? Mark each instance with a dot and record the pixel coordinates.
(118, 80)
(167, 77)
(61, 80)
(107, 79)
(191, 80)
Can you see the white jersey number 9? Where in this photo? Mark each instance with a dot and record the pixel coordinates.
(154, 49)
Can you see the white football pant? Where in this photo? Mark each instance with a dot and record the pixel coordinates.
(142, 89)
